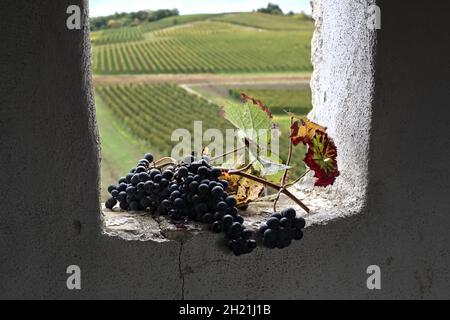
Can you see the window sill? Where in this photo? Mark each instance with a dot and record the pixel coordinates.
(326, 205)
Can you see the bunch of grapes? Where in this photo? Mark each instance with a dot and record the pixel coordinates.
(193, 191)
(281, 229)
(189, 191)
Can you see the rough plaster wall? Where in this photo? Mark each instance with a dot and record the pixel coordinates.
(342, 86)
(48, 145)
(408, 167)
(51, 220)
(49, 169)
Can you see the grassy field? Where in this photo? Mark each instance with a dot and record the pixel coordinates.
(206, 44)
(120, 147)
(266, 21)
(280, 100)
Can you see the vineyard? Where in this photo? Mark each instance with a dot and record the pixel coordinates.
(134, 117)
(139, 116)
(205, 44)
(153, 112)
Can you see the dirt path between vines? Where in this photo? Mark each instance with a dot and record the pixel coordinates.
(200, 78)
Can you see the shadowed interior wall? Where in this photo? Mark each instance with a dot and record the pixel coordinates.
(49, 146)
(49, 216)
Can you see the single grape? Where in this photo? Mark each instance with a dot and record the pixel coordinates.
(299, 223)
(273, 223)
(298, 234)
(224, 184)
(277, 216)
(179, 203)
(144, 162)
(168, 174)
(285, 222)
(193, 186)
(217, 227)
(110, 203)
(135, 180)
(216, 173)
(183, 172)
(202, 171)
(164, 183)
(124, 205)
(141, 169)
(217, 192)
(227, 221)
(122, 196)
(144, 177)
(115, 193)
(203, 189)
(289, 213)
(131, 191)
(221, 206)
(111, 188)
(263, 229)
(218, 216)
(270, 235)
(153, 173)
(129, 176)
(231, 201)
(149, 157)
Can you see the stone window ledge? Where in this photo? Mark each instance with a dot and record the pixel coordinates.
(326, 207)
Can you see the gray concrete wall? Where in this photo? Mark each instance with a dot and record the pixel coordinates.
(50, 216)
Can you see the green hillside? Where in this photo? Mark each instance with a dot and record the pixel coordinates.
(267, 21)
(151, 112)
(206, 44)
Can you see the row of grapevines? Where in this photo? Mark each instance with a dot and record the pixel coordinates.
(174, 51)
(153, 111)
(120, 35)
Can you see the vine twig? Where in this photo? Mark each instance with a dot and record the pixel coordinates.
(228, 153)
(298, 180)
(286, 172)
(269, 184)
(163, 162)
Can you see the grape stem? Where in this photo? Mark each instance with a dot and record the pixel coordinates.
(228, 153)
(298, 180)
(269, 184)
(163, 162)
(286, 172)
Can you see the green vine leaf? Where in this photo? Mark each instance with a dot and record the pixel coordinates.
(254, 122)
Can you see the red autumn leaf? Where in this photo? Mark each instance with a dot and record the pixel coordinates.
(246, 98)
(304, 130)
(321, 158)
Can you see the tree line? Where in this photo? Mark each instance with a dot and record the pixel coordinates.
(131, 19)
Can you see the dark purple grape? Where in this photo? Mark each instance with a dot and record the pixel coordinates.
(149, 157)
(110, 203)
